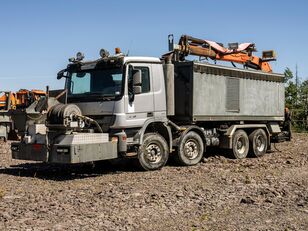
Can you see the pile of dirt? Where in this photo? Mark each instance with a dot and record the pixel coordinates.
(268, 193)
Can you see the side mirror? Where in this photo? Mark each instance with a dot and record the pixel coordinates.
(62, 73)
(137, 90)
(137, 81)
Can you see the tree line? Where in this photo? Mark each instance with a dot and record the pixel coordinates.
(296, 98)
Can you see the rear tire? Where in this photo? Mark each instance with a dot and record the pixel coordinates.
(190, 150)
(258, 143)
(240, 144)
(153, 154)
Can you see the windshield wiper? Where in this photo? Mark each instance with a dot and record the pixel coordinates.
(95, 94)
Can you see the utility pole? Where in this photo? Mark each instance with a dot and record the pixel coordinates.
(296, 76)
(296, 84)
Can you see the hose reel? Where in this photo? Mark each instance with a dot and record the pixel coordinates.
(69, 116)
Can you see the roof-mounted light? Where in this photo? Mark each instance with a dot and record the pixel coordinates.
(233, 46)
(269, 55)
(117, 50)
(103, 53)
(71, 59)
(79, 56)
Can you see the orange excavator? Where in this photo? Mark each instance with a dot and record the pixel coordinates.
(20, 99)
(13, 104)
(235, 53)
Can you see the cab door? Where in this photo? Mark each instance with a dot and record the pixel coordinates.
(139, 107)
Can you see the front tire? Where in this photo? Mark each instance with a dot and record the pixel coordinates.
(240, 144)
(258, 143)
(153, 154)
(190, 149)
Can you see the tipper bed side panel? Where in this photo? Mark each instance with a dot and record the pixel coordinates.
(216, 93)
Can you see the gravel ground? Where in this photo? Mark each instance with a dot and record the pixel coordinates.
(269, 193)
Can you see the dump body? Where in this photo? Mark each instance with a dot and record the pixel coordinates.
(205, 92)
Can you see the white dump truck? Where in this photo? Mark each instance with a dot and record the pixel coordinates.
(152, 108)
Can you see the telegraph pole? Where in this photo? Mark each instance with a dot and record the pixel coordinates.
(296, 84)
(296, 77)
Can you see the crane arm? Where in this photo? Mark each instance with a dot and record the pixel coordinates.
(242, 53)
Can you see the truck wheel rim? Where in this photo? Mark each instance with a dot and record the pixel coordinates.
(260, 143)
(241, 145)
(191, 149)
(153, 153)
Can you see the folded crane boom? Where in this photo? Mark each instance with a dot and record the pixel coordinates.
(236, 53)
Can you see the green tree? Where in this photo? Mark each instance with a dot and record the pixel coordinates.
(288, 75)
(291, 95)
(290, 90)
(296, 98)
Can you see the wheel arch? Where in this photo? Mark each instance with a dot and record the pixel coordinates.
(195, 129)
(158, 126)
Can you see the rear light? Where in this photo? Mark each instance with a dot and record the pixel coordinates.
(114, 139)
(37, 147)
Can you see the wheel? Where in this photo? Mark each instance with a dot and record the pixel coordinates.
(258, 143)
(240, 144)
(190, 150)
(153, 154)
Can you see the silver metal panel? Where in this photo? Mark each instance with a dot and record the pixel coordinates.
(237, 118)
(84, 138)
(82, 153)
(169, 85)
(137, 111)
(259, 99)
(233, 94)
(214, 69)
(158, 81)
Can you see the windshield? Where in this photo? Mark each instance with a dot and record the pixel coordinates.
(105, 82)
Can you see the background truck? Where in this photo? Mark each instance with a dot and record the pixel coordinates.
(150, 108)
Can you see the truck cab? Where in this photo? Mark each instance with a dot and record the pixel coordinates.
(127, 93)
(108, 105)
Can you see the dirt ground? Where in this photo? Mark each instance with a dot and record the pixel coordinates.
(269, 193)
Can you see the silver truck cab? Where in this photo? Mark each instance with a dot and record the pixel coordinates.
(122, 94)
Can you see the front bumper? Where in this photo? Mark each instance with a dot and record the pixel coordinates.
(82, 153)
(71, 149)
